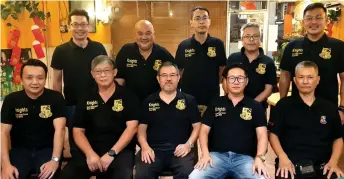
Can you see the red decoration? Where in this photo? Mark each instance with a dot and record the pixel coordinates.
(38, 49)
(16, 73)
(14, 38)
(38, 21)
(15, 57)
(329, 29)
(248, 5)
(37, 33)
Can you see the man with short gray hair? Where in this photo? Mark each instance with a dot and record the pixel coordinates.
(104, 125)
(261, 68)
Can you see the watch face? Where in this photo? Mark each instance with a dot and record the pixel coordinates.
(112, 153)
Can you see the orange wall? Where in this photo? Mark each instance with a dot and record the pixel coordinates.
(53, 35)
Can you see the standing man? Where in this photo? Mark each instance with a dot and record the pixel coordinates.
(71, 62)
(139, 62)
(233, 134)
(305, 130)
(32, 126)
(201, 59)
(168, 129)
(326, 52)
(261, 68)
(105, 123)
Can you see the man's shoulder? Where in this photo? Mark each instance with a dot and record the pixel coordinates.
(185, 43)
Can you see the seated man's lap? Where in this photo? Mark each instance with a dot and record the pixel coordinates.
(219, 169)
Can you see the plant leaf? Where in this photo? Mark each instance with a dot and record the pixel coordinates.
(33, 14)
(48, 15)
(5, 14)
(14, 16)
(9, 24)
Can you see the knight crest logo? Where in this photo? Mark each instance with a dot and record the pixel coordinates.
(246, 113)
(118, 105)
(45, 111)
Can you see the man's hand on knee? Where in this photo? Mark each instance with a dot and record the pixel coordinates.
(9, 172)
(203, 162)
(48, 170)
(147, 155)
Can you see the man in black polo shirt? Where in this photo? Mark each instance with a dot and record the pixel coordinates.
(71, 62)
(105, 123)
(201, 59)
(233, 134)
(168, 129)
(138, 62)
(305, 130)
(326, 52)
(33, 126)
(261, 68)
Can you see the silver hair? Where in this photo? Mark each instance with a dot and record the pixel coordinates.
(249, 25)
(307, 64)
(102, 59)
(168, 64)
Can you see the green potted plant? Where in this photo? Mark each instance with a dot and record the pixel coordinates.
(334, 15)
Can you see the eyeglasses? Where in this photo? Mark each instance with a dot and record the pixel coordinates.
(99, 72)
(310, 18)
(165, 76)
(249, 37)
(232, 79)
(199, 18)
(76, 25)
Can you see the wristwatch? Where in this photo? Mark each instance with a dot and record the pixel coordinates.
(341, 109)
(261, 157)
(112, 153)
(55, 159)
(191, 144)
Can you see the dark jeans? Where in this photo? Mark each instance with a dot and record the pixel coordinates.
(120, 168)
(70, 115)
(181, 167)
(29, 161)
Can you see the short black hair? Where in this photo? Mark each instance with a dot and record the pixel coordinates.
(36, 63)
(199, 8)
(314, 6)
(232, 66)
(78, 12)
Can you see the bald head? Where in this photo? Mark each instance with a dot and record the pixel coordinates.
(144, 35)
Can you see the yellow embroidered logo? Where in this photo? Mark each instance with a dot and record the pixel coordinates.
(219, 111)
(296, 52)
(211, 52)
(90, 105)
(246, 113)
(180, 104)
(261, 68)
(45, 111)
(118, 105)
(153, 106)
(131, 63)
(157, 65)
(325, 53)
(21, 112)
(189, 52)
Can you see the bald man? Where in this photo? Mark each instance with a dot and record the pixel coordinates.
(138, 62)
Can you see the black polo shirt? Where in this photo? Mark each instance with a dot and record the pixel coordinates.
(76, 65)
(104, 122)
(327, 53)
(140, 74)
(201, 64)
(261, 71)
(233, 128)
(32, 119)
(306, 132)
(169, 124)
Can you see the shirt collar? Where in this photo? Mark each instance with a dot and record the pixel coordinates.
(261, 52)
(243, 102)
(320, 41)
(193, 40)
(74, 46)
(156, 96)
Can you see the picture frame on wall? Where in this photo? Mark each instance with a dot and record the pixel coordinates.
(89, 6)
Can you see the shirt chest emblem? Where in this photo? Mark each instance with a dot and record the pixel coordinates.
(323, 120)
(118, 105)
(325, 53)
(157, 64)
(153, 106)
(261, 69)
(180, 104)
(211, 52)
(246, 114)
(296, 52)
(219, 111)
(21, 112)
(45, 111)
(91, 105)
(131, 63)
(189, 52)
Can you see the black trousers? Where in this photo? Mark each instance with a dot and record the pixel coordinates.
(181, 167)
(318, 170)
(29, 161)
(120, 168)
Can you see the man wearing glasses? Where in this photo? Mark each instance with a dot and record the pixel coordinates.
(71, 62)
(326, 52)
(168, 129)
(201, 59)
(105, 123)
(233, 134)
(261, 68)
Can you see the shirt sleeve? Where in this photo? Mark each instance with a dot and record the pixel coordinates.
(60, 106)
(7, 112)
(286, 58)
(276, 119)
(259, 116)
(103, 50)
(144, 119)
(271, 77)
(337, 127)
(132, 108)
(169, 57)
(230, 60)
(193, 111)
(180, 57)
(222, 54)
(79, 120)
(209, 115)
(57, 59)
(121, 63)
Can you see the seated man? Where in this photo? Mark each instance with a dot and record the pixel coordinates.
(105, 123)
(236, 127)
(165, 128)
(33, 126)
(305, 130)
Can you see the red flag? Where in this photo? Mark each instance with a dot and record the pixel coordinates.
(37, 33)
(38, 49)
(38, 21)
(15, 57)
(14, 38)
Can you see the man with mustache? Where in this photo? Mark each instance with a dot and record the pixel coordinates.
(138, 62)
(325, 51)
(201, 59)
(168, 129)
(261, 68)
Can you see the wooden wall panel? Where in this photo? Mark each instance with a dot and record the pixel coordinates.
(170, 31)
